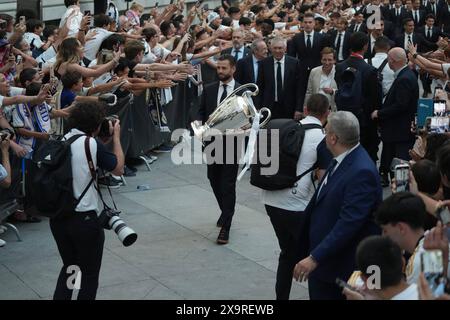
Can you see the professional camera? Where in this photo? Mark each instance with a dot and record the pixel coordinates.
(104, 129)
(109, 219)
(5, 133)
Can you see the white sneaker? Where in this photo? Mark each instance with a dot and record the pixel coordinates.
(2, 229)
(2, 243)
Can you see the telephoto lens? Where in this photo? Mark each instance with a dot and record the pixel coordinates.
(110, 219)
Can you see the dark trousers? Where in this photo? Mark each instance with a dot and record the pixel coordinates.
(393, 150)
(287, 226)
(80, 240)
(369, 140)
(320, 290)
(281, 111)
(222, 178)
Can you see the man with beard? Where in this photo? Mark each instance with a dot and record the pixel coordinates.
(222, 172)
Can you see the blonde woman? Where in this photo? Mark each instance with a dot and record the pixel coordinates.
(134, 14)
(70, 54)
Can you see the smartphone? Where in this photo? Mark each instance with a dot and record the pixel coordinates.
(425, 109)
(156, 4)
(401, 173)
(22, 20)
(443, 215)
(438, 124)
(341, 283)
(87, 12)
(439, 107)
(432, 266)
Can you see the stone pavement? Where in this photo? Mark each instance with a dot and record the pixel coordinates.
(175, 256)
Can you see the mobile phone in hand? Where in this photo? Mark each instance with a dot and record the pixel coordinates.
(341, 283)
(401, 177)
(433, 269)
(87, 12)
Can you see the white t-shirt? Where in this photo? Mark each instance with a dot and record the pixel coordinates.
(410, 293)
(15, 91)
(47, 55)
(298, 197)
(91, 47)
(75, 23)
(33, 40)
(81, 173)
(412, 270)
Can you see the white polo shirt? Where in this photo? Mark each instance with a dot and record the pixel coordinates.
(91, 47)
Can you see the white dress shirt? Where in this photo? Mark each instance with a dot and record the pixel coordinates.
(255, 67)
(230, 89)
(298, 197)
(372, 43)
(407, 40)
(275, 69)
(325, 81)
(339, 160)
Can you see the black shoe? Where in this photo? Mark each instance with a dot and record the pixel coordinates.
(108, 181)
(127, 172)
(223, 237)
(134, 169)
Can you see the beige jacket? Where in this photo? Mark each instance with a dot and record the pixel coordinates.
(314, 85)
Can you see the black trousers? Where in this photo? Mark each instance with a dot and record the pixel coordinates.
(369, 140)
(80, 240)
(393, 150)
(222, 178)
(320, 290)
(287, 226)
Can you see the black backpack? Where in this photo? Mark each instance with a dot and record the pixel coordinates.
(52, 191)
(380, 76)
(291, 136)
(349, 97)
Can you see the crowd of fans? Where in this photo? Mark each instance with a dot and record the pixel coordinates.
(45, 70)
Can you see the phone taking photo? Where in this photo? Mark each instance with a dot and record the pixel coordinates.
(432, 266)
(401, 173)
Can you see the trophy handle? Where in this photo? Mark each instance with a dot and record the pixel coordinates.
(269, 114)
(248, 85)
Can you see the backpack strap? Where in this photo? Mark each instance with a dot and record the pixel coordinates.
(309, 126)
(381, 67)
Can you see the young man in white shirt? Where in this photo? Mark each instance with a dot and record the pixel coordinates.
(33, 34)
(285, 207)
(381, 49)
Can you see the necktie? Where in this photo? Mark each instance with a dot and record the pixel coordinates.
(429, 33)
(224, 93)
(434, 9)
(409, 39)
(356, 27)
(236, 55)
(308, 42)
(417, 17)
(338, 44)
(331, 168)
(327, 175)
(279, 82)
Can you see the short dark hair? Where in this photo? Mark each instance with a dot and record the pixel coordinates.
(149, 33)
(402, 207)
(406, 20)
(308, 15)
(112, 40)
(227, 21)
(122, 65)
(101, 20)
(384, 253)
(443, 160)
(434, 142)
(382, 43)
(229, 58)
(27, 75)
(133, 48)
(33, 24)
(430, 15)
(233, 10)
(87, 116)
(33, 89)
(69, 79)
(318, 104)
(358, 40)
(245, 21)
(69, 3)
(48, 31)
(7, 17)
(427, 176)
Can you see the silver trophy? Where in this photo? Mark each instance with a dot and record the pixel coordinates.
(233, 115)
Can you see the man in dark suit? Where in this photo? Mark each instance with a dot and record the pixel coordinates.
(340, 214)
(443, 16)
(358, 25)
(238, 51)
(432, 7)
(398, 14)
(306, 47)
(340, 39)
(247, 68)
(418, 14)
(398, 111)
(371, 94)
(278, 82)
(221, 174)
(409, 35)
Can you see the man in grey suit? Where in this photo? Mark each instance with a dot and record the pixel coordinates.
(238, 51)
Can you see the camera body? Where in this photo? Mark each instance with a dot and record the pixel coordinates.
(4, 133)
(104, 128)
(109, 219)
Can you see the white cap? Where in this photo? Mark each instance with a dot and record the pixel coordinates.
(212, 16)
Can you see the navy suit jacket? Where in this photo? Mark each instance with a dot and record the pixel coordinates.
(342, 215)
(399, 108)
(245, 71)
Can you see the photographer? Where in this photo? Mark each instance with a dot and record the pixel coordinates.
(79, 236)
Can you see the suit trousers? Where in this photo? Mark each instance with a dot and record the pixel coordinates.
(321, 290)
(393, 150)
(80, 240)
(287, 226)
(369, 140)
(222, 178)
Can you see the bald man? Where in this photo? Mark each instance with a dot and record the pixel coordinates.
(397, 112)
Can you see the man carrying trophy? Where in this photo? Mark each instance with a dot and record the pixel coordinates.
(222, 176)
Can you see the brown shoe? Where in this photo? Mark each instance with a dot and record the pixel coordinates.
(223, 237)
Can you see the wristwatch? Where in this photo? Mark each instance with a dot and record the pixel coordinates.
(415, 55)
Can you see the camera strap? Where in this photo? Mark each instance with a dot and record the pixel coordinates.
(93, 172)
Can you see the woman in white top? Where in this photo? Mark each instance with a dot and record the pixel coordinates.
(73, 10)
